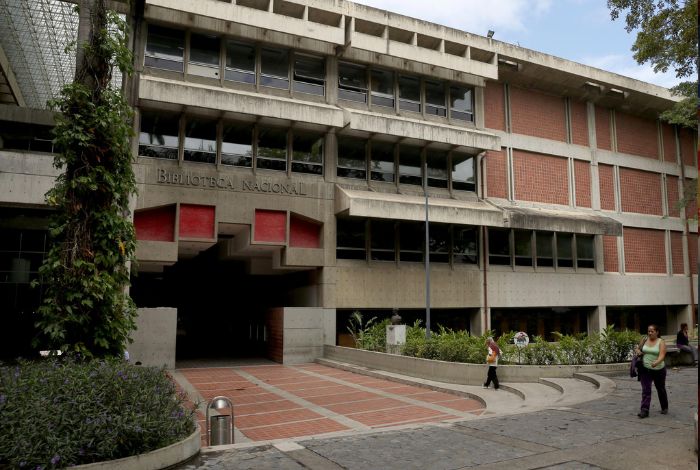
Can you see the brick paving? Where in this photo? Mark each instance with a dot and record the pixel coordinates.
(277, 402)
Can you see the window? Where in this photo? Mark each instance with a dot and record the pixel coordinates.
(564, 252)
(439, 243)
(411, 241)
(543, 244)
(463, 172)
(410, 165)
(310, 75)
(435, 98)
(499, 247)
(240, 62)
(351, 158)
(461, 104)
(352, 82)
(409, 94)
(274, 68)
(437, 169)
(307, 153)
(237, 145)
(159, 136)
(204, 55)
(465, 245)
(585, 253)
(523, 247)
(272, 149)
(382, 240)
(350, 239)
(383, 88)
(165, 48)
(382, 162)
(200, 141)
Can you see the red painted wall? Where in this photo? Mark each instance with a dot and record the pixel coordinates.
(155, 224)
(304, 234)
(270, 226)
(197, 221)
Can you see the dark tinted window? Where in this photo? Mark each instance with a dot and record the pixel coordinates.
(237, 145)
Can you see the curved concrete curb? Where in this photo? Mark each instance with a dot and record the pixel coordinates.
(155, 460)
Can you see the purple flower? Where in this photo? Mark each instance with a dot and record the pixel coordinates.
(55, 459)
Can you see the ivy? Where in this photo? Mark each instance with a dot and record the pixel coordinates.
(86, 306)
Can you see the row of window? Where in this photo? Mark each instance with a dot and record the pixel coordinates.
(272, 67)
(243, 145)
(389, 240)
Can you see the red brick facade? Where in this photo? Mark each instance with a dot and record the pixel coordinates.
(579, 123)
(606, 177)
(610, 259)
(693, 251)
(540, 178)
(688, 151)
(692, 209)
(645, 250)
(677, 252)
(274, 320)
(537, 114)
(672, 196)
(582, 175)
(496, 174)
(636, 136)
(640, 191)
(669, 140)
(494, 106)
(602, 128)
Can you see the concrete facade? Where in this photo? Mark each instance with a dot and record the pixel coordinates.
(556, 148)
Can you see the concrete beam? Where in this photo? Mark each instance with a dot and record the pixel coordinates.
(11, 79)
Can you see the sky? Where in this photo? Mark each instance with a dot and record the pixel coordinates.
(577, 30)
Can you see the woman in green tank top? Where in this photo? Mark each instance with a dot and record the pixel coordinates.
(653, 349)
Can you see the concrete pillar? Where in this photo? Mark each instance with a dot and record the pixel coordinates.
(597, 320)
(476, 321)
(154, 337)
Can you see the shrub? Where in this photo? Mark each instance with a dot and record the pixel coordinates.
(61, 412)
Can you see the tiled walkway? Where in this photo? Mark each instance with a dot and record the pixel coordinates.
(275, 401)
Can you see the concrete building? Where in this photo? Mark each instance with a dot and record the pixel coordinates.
(283, 150)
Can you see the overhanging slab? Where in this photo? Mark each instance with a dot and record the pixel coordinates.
(357, 203)
(588, 222)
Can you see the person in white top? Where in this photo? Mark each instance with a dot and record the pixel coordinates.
(492, 361)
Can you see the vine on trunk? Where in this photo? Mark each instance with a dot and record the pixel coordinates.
(86, 307)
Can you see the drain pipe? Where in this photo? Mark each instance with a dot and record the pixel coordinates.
(484, 249)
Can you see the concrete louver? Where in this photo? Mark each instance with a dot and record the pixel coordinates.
(557, 220)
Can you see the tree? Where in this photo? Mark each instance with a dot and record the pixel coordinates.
(667, 37)
(86, 307)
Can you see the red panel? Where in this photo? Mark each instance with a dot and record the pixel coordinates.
(304, 234)
(197, 221)
(270, 226)
(155, 224)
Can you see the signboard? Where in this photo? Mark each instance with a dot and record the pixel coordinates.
(521, 339)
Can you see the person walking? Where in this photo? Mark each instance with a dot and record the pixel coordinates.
(653, 351)
(492, 361)
(683, 343)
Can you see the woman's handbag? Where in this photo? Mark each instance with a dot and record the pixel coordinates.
(491, 358)
(637, 361)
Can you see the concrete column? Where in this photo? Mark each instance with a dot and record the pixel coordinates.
(154, 337)
(479, 118)
(597, 320)
(476, 321)
(592, 144)
(331, 80)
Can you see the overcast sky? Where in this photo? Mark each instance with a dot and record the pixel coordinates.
(578, 30)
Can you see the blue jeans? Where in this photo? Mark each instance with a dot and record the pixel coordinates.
(658, 377)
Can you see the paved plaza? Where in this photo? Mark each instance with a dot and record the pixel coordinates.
(603, 432)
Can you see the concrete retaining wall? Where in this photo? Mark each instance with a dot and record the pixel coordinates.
(154, 338)
(306, 331)
(457, 372)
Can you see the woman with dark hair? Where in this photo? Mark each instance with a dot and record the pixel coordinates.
(653, 351)
(683, 343)
(492, 361)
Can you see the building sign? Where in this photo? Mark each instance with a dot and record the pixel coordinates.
(181, 178)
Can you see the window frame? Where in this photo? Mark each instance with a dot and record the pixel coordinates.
(158, 60)
(313, 82)
(352, 90)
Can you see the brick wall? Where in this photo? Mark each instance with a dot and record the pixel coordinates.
(540, 178)
(579, 123)
(669, 140)
(672, 195)
(636, 136)
(582, 174)
(496, 173)
(537, 114)
(274, 320)
(607, 187)
(677, 252)
(640, 191)
(645, 250)
(692, 209)
(494, 106)
(602, 128)
(693, 250)
(689, 153)
(610, 260)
